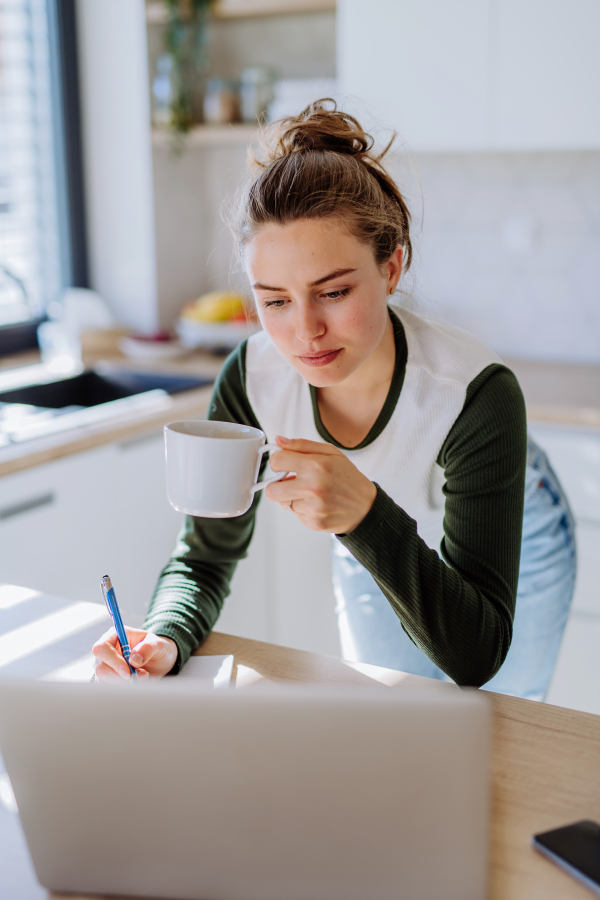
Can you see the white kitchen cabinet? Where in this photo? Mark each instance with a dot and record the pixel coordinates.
(146, 525)
(575, 456)
(419, 66)
(57, 525)
(576, 681)
(304, 604)
(248, 610)
(474, 74)
(587, 588)
(283, 592)
(65, 524)
(546, 74)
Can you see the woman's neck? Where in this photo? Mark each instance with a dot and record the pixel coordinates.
(350, 409)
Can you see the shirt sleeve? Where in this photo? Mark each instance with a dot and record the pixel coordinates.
(193, 585)
(459, 608)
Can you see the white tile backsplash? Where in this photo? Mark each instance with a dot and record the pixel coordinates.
(508, 247)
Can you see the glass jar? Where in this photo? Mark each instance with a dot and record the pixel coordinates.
(162, 91)
(256, 92)
(221, 101)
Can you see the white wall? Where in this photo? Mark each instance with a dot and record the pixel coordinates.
(117, 157)
(509, 248)
(194, 249)
(507, 245)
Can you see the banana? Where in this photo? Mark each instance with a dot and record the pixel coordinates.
(215, 306)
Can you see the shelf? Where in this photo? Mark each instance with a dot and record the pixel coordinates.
(156, 13)
(207, 136)
(237, 9)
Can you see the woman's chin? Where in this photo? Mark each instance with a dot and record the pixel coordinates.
(325, 376)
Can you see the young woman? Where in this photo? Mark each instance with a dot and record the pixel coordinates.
(407, 436)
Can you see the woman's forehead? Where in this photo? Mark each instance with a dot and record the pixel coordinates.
(306, 244)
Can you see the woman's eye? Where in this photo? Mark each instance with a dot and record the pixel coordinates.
(335, 295)
(276, 304)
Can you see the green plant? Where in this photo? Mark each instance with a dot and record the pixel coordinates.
(185, 41)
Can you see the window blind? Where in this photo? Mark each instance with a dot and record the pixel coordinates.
(30, 261)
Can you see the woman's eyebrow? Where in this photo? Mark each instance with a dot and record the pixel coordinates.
(337, 274)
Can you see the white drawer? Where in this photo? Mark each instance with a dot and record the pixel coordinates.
(587, 588)
(576, 681)
(575, 457)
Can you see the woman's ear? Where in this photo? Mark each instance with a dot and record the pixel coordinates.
(394, 269)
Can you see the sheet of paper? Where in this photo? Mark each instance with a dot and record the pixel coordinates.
(215, 669)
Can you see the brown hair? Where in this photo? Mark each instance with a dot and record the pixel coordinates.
(318, 164)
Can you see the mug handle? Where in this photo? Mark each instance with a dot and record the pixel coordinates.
(280, 475)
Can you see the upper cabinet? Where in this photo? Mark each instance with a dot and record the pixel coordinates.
(420, 66)
(475, 74)
(546, 74)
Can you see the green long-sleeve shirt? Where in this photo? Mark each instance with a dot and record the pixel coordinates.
(458, 608)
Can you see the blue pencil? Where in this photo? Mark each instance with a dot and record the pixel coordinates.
(110, 599)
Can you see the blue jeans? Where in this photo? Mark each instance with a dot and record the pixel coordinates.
(370, 631)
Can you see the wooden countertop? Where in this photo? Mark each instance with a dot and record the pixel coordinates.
(554, 392)
(545, 765)
(558, 392)
(545, 761)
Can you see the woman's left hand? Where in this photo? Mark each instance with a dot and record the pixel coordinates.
(328, 492)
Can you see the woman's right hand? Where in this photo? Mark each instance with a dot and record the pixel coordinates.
(151, 654)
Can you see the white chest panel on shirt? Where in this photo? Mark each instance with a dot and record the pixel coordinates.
(442, 361)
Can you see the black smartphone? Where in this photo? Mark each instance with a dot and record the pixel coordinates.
(576, 849)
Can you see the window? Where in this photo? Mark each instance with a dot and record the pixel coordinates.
(41, 198)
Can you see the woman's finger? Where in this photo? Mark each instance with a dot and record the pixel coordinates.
(107, 654)
(290, 461)
(146, 649)
(107, 673)
(283, 491)
(299, 445)
(141, 654)
(155, 653)
(109, 637)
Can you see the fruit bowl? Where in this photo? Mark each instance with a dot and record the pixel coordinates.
(213, 335)
(139, 347)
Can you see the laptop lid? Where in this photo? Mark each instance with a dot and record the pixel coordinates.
(300, 793)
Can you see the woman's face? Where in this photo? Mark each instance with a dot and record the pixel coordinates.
(321, 296)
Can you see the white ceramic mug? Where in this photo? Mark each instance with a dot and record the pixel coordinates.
(212, 467)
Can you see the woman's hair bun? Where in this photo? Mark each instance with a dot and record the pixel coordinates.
(317, 164)
(320, 126)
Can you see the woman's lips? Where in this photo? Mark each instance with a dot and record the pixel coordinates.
(320, 359)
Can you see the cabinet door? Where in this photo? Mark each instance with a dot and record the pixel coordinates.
(575, 457)
(57, 525)
(576, 681)
(303, 601)
(587, 588)
(249, 610)
(282, 592)
(419, 66)
(546, 74)
(147, 524)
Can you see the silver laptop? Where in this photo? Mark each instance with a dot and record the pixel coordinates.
(171, 790)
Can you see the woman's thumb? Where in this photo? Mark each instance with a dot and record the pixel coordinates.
(141, 653)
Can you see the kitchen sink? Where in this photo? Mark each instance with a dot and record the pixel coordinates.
(93, 388)
(47, 407)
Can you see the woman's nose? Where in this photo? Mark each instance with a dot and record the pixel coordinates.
(308, 325)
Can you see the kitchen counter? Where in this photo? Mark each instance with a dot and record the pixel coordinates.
(554, 393)
(189, 404)
(559, 392)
